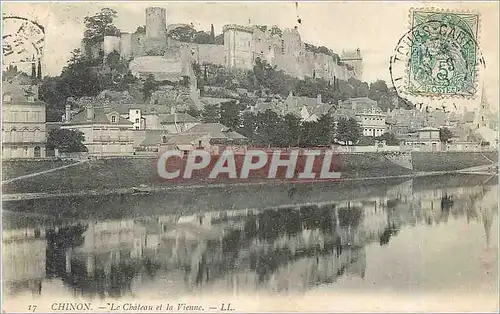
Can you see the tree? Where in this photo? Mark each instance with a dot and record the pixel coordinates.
(210, 114)
(81, 76)
(100, 25)
(275, 30)
(149, 86)
(389, 138)
(445, 135)
(382, 95)
(66, 141)
(193, 112)
(230, 115)
(185, 33)
(141, 30)
(219, 39)
(348, 131)
(212, 34)
(202, 37)
(54, 92)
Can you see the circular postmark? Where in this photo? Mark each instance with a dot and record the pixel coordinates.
(438, 57)
(23, 40)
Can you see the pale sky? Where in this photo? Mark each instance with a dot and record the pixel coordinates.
(374, 27)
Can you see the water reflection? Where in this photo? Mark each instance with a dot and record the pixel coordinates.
(283, 249)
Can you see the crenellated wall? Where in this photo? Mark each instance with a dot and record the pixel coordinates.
(242, 45)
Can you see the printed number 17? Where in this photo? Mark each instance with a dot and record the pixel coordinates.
(32, 308)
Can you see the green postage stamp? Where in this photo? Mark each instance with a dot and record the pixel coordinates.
(443, 54)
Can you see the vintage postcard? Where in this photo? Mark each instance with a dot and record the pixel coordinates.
(208, 157)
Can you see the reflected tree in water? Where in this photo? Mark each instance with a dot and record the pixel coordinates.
(58, 242)
(389, 232)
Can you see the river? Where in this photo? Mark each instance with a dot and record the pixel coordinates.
(411, 240)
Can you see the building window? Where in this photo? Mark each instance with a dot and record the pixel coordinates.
(7, 97)
(136, 120)
(113, 119)
(137, 128)
(37, 152)
(25, 150)
(164, 139)
(282, 46)
(137, 112)
(31, 98)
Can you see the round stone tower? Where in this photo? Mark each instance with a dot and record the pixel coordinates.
(156, 31)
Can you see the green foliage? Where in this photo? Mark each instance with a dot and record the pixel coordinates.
(348, 131)
(389, 138)
(445, 135)
(210, 114)
(193, 112)
(67, 141)
(189, 34)
(150, 85)
(202, 37)
(141, 30)
(81, 75)
(230, 114)
(219, 39)
(382, 95)
(100, 25)
(183, 33)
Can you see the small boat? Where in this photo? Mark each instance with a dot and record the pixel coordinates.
(142, 189)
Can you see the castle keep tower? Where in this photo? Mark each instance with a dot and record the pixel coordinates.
(354, 59)
(238, 46)
(156, 30)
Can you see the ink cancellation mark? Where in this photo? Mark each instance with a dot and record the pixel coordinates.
(438, 56)
(23, 39)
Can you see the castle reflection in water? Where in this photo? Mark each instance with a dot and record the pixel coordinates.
(278, 249)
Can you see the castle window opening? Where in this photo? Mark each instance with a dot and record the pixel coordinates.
(136, 120)
(137, 112)
(113, 119)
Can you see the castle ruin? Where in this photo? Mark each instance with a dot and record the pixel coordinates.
(242, 46)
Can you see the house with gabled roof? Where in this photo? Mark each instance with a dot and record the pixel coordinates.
(207, 136)
(105, 131)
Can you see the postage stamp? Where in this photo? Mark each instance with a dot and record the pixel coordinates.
(443, 53)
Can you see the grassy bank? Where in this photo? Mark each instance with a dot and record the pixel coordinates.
(206, 199)
(448, 161)
(129, 172)
(16, 168)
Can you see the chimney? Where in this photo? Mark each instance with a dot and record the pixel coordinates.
(318, 99)
(90, 112)
(39, 70)
(67, 116)
(33, 68)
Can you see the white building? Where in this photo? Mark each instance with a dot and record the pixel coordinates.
(371, 118)
(23, 121)
(105, 131)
